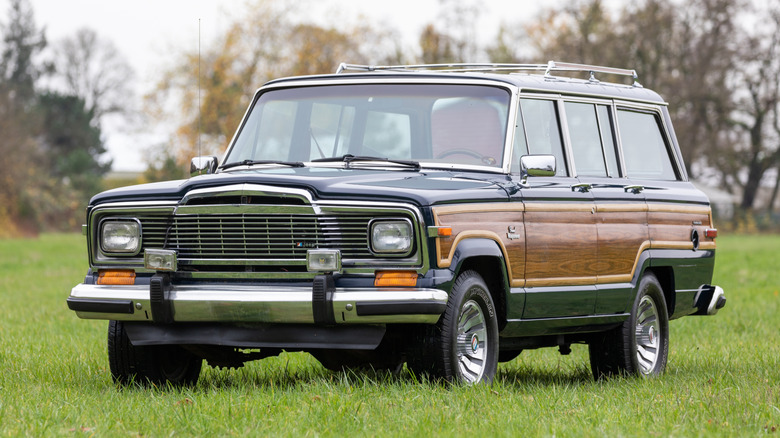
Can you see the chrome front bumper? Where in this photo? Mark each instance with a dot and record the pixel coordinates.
(259, 304)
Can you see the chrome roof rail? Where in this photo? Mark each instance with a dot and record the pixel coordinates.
(592, 69)
(551, 66)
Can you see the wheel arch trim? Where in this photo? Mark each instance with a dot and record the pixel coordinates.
(480, 248)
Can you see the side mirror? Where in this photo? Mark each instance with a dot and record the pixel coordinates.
(201, 165)
(536, 165)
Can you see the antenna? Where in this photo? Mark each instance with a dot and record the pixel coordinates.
(199, 109)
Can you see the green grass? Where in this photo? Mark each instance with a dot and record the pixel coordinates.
(723, 375)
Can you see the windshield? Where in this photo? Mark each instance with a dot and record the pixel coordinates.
(426, 123)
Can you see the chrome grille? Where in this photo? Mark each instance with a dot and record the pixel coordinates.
(257, 236)
(244, 236)
(153, 227)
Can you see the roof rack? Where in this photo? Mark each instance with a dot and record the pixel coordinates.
(551, 66)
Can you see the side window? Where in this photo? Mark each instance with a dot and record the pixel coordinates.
(585, 139)
(519, 145)
(644, 149)
(608, 139)
(540, 120)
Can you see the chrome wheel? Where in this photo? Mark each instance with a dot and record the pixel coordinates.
(471, 348)
(462, 348)
(639, 346)
(648, 333)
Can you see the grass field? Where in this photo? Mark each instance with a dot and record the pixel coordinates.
(723, 375)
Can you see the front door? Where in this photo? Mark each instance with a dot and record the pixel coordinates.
(560, 223)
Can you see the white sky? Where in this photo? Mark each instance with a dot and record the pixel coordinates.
(146, 30)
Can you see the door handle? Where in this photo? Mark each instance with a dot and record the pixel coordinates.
(581, 187)
(633, 189)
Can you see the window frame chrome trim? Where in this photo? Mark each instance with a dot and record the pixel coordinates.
(512, 89)
(656, 110)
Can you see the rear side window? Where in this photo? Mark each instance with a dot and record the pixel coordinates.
(585, 138)
(645, 152)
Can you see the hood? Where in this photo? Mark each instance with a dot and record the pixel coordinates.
(424, 187)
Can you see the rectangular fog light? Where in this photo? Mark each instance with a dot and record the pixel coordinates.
(160, 260)
(323, 260)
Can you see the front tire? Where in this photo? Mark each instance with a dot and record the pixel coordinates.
(155, 364)
(463, 346)
(640, 346)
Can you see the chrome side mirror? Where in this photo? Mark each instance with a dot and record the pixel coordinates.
(536, 165)
(201, 165)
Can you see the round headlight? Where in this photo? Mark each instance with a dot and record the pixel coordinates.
(391, 237)
(120, 237)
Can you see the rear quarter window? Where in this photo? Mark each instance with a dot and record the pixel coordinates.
(645, 152)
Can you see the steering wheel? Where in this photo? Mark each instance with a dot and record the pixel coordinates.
(490, 161)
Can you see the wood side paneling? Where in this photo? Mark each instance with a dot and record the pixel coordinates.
(672, 227)
(503, 225)
(622, 234)
(571, 244)
(561, 244)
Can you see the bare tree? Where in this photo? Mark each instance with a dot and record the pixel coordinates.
(756, 115)
(95, 71)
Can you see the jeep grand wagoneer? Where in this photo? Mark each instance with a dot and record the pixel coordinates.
(446, 217)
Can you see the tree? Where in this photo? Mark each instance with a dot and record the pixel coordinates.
(22, 42)
(460, 18)
(756, 114)
(161, 165)
(263, 44)
(317, 49)
(72, 143)
(581, 32)
(436, 47)
(51, 147)
(456, 44)
(691, 53)
(95, 71)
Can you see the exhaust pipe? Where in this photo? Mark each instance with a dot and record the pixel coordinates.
(709, 300)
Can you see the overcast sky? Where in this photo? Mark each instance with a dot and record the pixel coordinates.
(146, 30)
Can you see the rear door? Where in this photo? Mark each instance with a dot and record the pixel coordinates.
(620, 210)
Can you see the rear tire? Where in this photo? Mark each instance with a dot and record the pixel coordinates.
(640, 346)
(154, 364)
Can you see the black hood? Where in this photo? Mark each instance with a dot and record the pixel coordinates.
(425, 187)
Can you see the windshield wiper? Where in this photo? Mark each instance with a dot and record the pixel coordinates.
(253, 162)
(349, 158)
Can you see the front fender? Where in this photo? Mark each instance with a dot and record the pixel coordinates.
(475, 247)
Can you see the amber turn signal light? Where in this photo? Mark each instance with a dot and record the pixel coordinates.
(116, 277)
(395, 278)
